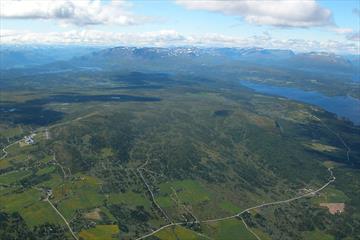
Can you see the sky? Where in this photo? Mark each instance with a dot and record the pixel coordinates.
(300, 25)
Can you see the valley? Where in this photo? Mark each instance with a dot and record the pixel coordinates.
(154, 155)
(179, 120)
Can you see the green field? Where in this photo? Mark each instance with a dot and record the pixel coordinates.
(13, 177)
(100, 232)
(82, 194)
(331, 195)
(227, 230)
(206, 149)
(188, 191)
(129, 198)
(18, 201)
(174, 233)
(40, 213)
(318, 235)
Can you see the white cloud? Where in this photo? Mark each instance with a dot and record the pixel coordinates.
(355, 36)
(342, 30)
(348, 33)
(282, 13)
(173, 38)
(76, 12)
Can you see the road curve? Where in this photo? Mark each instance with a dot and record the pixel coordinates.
(6, 147)
(309, 194)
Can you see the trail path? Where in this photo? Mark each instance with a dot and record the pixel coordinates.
(55, 161)
(56, 210)
(63, 218)
(7, 146)
(348, 150)
(250, 230)
(151, 192)
(238, 215)
(46, 130)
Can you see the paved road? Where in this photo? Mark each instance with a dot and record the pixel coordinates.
(56, 210)
(309, 194)
(250, 230)
(6, 147)
(152, 196)
(63, 218)
(46, 130)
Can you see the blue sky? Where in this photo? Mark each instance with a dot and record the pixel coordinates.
(301, 25)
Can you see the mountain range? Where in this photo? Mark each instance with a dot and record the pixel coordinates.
(29, 56)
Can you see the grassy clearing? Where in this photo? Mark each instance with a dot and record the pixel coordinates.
(178, 233)
(331, 195)
(261, 234)
(232, 229)
(81, 194)
(47, 159)
(318, 235)
(322, 147)
(106, 211)
(46, 170)
(189, 191)
(11, 132)
(93, 214)
(30, 207)
(299, 116)
(100, 232)
(331, 164)
(4, 163)
(40, 213)
(228, 206)
(16, 157)
(107, 152)
(13, 177)
(17, 201)
(129, 198)
(54, 182)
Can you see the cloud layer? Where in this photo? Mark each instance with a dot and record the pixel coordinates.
(283, 13)
(280, 13)
(84, 12)
(354, 36)
(172, 38)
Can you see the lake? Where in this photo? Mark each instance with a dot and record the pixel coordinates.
(343, 106)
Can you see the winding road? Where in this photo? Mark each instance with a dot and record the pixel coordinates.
(7, 146)
(63, 218)
(150, 191)
(238, 215)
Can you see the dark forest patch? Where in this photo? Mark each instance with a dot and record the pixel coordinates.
(34, 112)
(222, 113)
(90, 98)
(134, 87)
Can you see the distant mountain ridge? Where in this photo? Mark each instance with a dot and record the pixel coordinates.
(21, 56)
(272, 57)
(196, 52)
(128, 57)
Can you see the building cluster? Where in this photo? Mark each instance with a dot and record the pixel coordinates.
(29, 139)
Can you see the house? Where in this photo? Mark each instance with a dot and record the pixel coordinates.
(29, 140)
